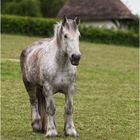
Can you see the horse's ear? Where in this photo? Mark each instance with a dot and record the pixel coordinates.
(64, 20)
(77, 20)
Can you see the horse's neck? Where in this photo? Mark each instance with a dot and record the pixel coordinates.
(62, 59)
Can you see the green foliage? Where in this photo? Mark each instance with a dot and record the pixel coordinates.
(108, 36)
(134, 24)
(27, 25)
(44, 27)
(35, 8)
(22, 7)
(50, 8)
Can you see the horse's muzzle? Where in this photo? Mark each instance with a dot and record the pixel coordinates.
(75, 59)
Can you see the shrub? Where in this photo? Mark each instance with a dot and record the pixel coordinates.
(27, 25)
(44, 27)
(107, 36)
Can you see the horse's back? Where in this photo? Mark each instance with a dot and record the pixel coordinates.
(31, 55)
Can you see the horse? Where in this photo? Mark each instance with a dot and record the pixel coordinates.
(49, 66)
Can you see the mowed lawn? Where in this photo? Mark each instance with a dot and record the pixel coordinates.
(106, 103)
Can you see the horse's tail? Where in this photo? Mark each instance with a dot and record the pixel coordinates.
(42, 110)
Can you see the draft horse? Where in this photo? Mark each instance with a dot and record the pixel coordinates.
(49, 66)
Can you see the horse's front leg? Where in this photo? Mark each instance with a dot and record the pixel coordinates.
(69, 128)
(50, 109)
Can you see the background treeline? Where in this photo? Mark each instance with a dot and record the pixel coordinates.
(133, 25)
(44, 27)
(34, 8)
(45, 8)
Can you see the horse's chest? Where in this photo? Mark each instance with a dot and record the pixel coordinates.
(63, 79)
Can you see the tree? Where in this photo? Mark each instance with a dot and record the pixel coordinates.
(50, 8)
(22, 7)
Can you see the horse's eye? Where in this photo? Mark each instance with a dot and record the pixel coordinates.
(65, 36)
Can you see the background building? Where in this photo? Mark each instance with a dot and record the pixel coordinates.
(100, 13)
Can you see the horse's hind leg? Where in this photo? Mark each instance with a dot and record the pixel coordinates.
(36, 119)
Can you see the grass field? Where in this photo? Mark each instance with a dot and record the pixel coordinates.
(106, 103)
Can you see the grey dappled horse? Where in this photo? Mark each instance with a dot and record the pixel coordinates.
(49, 66)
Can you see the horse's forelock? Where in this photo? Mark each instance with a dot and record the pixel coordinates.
(69, 25)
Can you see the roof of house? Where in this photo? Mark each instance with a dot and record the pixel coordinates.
(90, 10)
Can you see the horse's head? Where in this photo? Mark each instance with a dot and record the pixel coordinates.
(70, 36)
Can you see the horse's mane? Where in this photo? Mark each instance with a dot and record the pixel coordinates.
(57, 27)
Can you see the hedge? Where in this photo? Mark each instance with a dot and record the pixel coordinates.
(108, 36)
(44, 27)
(27, 25)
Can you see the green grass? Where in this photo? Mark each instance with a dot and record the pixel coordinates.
(106, 103)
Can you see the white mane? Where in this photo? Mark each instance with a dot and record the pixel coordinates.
(57, 27)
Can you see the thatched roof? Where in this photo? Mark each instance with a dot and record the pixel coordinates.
(90, 10)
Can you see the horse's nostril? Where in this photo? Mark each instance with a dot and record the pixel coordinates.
(72, 56)
(75, 57)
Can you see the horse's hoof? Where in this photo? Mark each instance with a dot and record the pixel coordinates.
(36, 126)
(51, 133)
(38, 130)
(71, 132)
